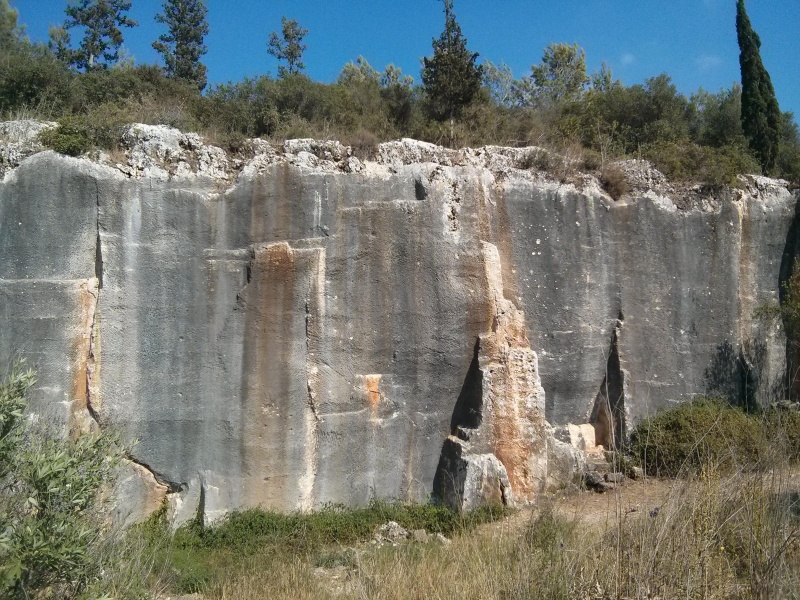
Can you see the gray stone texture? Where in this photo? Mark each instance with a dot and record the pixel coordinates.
(301, 332)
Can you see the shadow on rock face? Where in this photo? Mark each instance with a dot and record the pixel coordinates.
(468, 411)
(734, 373)
(789, 261)
(451, 472)
(465, 477)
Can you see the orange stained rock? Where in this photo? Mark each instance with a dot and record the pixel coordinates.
(83, 360)
(279, 257)
(373, 382)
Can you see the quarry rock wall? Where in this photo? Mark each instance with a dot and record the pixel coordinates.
(305, 327)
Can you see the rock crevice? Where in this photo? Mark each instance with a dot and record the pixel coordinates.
(608, 411)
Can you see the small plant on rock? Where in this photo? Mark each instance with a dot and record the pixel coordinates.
(614, 182)
(71, 137)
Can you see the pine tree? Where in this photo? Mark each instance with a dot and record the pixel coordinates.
(561, 76)
(450, 77)
(289, 46)
(102, 38)
(183, 45)
(761, 116)
(8, 25)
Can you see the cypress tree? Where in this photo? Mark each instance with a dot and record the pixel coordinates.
(450, 78)
(761, 116)
(183, 45)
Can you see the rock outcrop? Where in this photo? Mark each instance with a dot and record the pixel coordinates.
(297, 326)
(18, 140)
(497, 448)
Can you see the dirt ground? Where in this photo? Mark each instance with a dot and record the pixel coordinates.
(628, 497)
(591, 507)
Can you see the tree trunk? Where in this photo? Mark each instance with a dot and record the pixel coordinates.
(452, 132)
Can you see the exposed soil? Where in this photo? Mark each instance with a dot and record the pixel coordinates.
(628, 497)
(589, 507)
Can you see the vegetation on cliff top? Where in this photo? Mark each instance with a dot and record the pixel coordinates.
(100, 23)
(450, 77)
(591, 117)
(182, 46)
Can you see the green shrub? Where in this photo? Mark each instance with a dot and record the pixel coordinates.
(72, 137)
(237, 108)
(337, 558)
(711, 432)
(690, 162)
(364, 144)
(592, 160)
(77, 135)
(548, 532)
(782, 429)
(105, 123)
(692, 435)
(539, 159)
(788, 166)
(51, 508)
(134, 85)
(33, 79)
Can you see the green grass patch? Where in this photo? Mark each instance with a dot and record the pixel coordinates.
(196, 556)
(331, 525)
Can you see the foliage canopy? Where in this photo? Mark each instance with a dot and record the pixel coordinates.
(8, 24)
(450, 77)
(101, 21)
(560, 77)
(761, 117)
(182, 46)
(288, 47)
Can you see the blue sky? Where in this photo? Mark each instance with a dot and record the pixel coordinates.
(694, 41)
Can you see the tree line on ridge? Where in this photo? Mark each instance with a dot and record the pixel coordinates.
(593, 118)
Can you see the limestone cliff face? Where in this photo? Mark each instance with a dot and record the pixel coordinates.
(304, 327)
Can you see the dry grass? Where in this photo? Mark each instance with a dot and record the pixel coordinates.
(712, 536)
(614, 182)
(725, 529)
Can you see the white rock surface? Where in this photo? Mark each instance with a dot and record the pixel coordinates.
(159, 151)
(18, 140)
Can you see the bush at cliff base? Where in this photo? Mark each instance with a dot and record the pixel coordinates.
(710, 431)
(52, 518)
